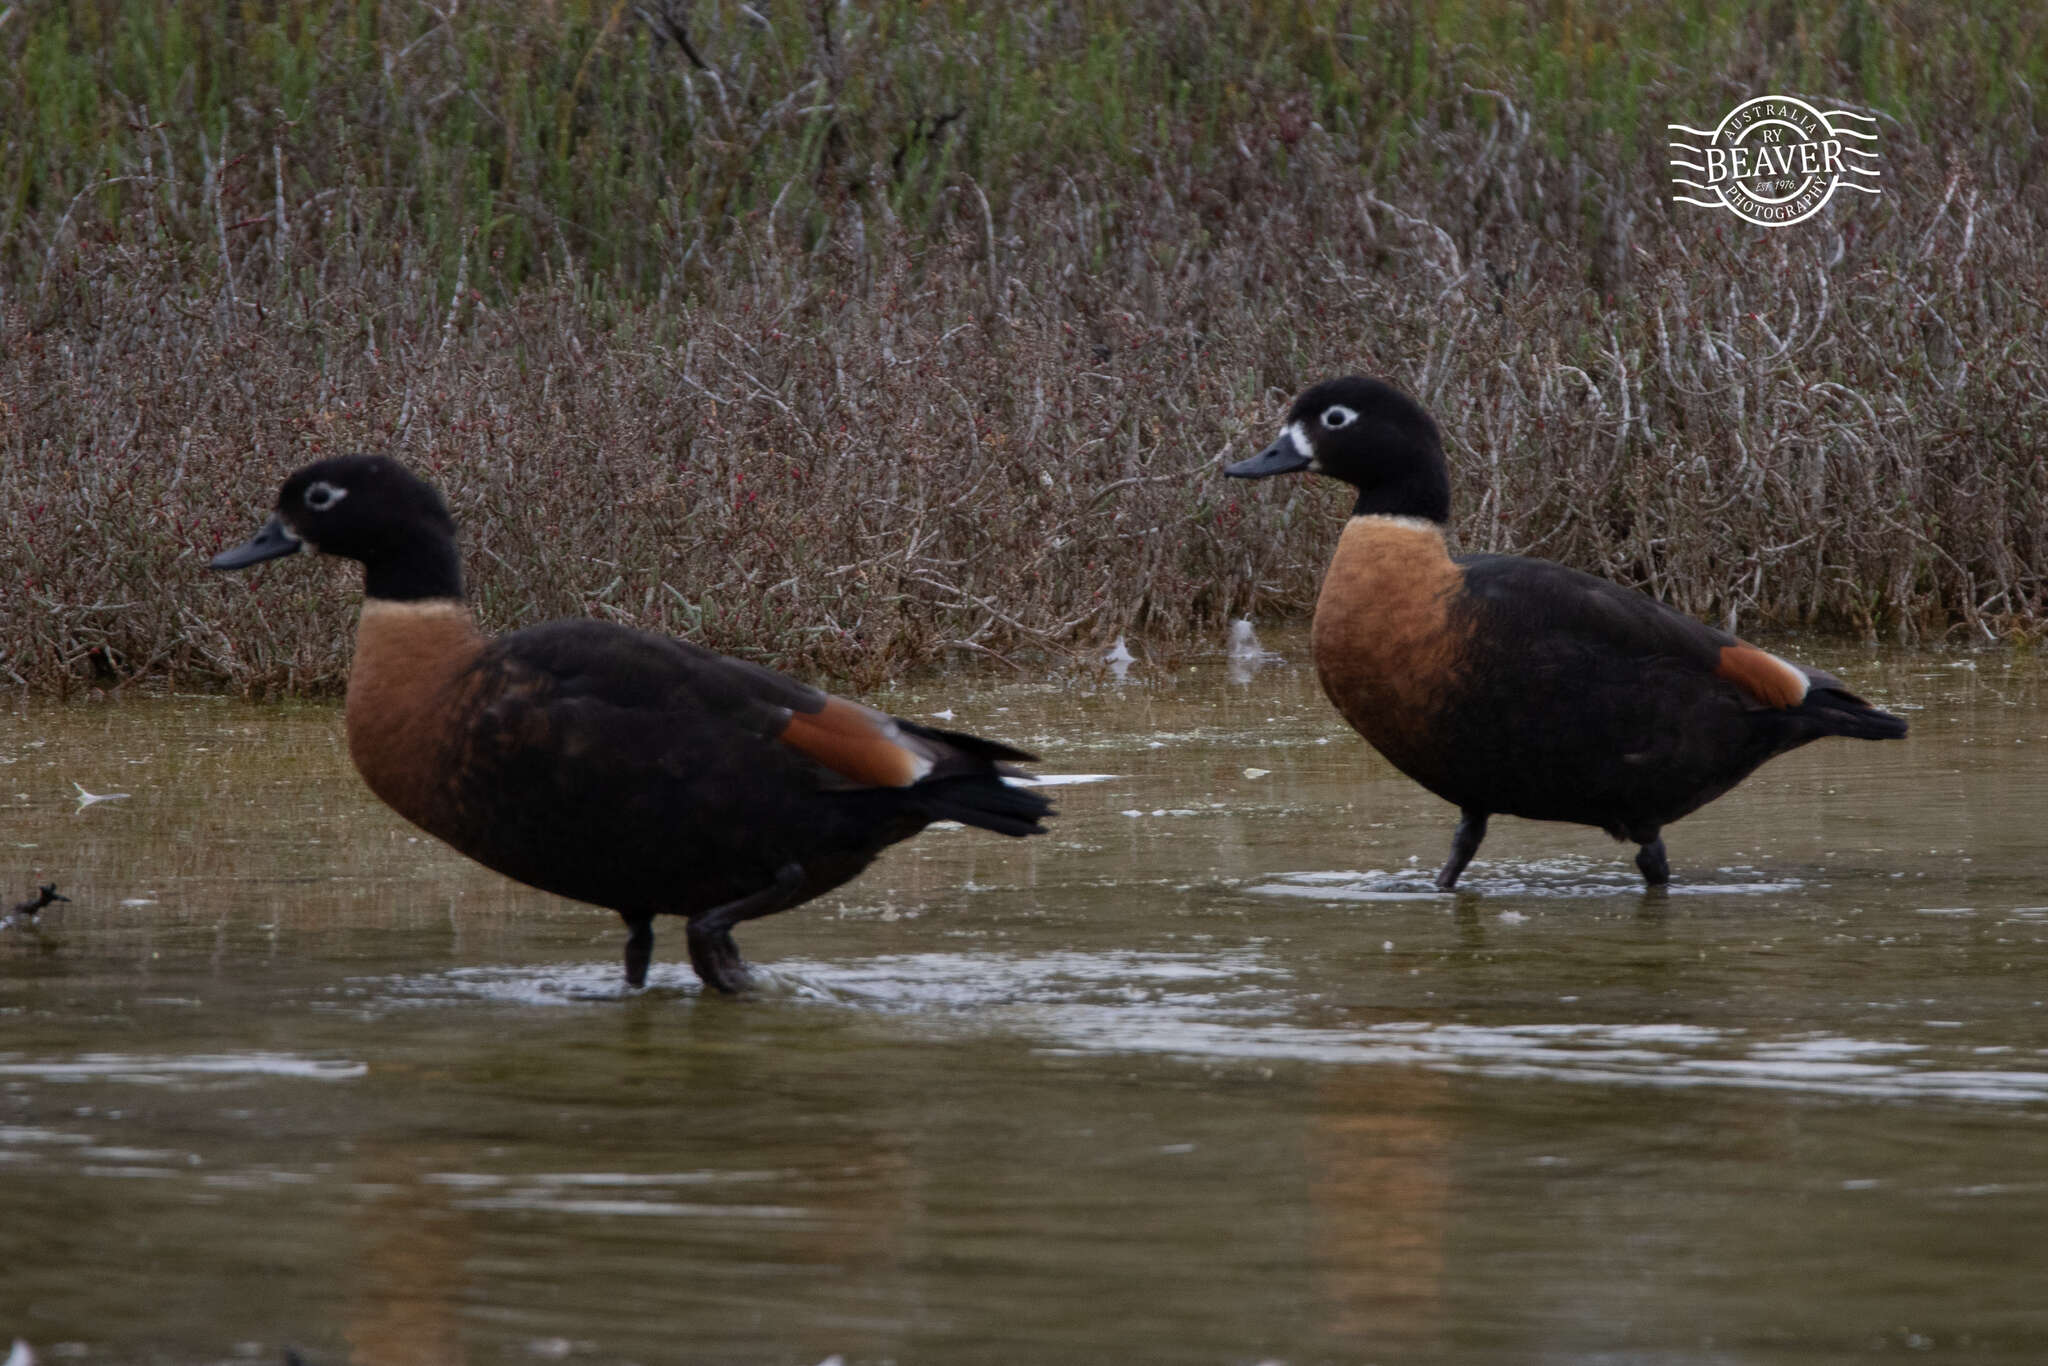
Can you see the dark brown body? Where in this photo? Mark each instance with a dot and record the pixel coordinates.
(639, 800)
(1518, 687)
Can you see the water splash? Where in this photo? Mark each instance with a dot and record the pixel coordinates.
(86, 799)
(1247, 656)
(1558, 877)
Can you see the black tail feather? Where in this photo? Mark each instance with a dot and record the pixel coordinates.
(986, 802)
(1844, 713)
(973, 745)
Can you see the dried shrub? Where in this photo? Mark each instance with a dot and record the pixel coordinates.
(856, 342)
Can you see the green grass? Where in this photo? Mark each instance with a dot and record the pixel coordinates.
(540, 135)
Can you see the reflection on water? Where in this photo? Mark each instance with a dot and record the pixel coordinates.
(1210, 1074)
(1378, 1154)
(408, 1272)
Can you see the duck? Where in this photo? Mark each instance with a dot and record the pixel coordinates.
(1514, 686)
(632, 771)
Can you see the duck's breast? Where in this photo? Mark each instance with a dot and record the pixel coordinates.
(1389, 646)
(408, 704)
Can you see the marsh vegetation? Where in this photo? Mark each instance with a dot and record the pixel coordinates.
(858, 337)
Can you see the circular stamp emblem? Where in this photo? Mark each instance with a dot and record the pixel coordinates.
(1775, 160)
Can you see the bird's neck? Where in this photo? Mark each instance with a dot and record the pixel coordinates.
(423, 569)
(1424, 493)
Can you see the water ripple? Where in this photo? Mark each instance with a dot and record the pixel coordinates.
(1557, 877)
(159, 1070)
(1235, 1007)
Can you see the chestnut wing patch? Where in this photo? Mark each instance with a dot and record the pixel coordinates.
(1761, 674)
(667, 683)
(856, 743)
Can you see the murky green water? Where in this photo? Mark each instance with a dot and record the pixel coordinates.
(1207, 1076)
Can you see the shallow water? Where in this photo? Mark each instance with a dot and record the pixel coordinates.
(1208, 1075)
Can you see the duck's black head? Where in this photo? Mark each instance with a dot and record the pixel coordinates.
(1370, 435)
(368, 508)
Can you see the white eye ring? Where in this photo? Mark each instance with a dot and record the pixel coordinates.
(1337, 415)
(322, 495)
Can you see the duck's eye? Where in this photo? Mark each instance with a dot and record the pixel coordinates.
(1338, 416)
(322, 495)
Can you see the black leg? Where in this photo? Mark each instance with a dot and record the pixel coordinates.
(1464, 845)
(712, 952)
(1650, 858)
(717, 960)
(639, 947)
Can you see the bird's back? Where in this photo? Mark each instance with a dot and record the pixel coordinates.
(1519, 686)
